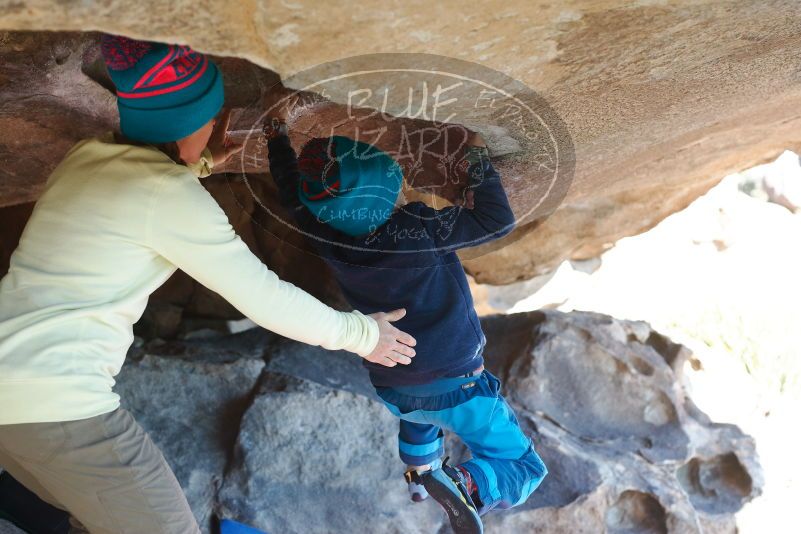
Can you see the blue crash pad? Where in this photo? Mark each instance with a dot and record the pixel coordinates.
(228, 526)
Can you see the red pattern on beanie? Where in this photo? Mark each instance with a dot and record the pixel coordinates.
(314, 156)
(122, 53)
(318, 168)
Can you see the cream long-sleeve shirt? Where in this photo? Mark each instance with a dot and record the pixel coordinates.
(114, 222)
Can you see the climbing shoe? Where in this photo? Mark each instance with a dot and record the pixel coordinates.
(447, 487)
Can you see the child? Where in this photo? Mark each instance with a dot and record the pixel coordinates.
(345, 196)
(115, 221)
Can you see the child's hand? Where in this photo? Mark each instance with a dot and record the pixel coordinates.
(467, 199)
(394, 346)
(221, 147)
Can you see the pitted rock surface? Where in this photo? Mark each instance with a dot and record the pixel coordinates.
(291, 438)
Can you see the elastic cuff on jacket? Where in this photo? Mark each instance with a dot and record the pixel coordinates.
(204, 166)
(370, 334)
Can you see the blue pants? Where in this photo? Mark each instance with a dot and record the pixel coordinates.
(505, 467)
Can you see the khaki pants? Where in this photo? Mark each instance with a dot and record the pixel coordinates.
(105, 471)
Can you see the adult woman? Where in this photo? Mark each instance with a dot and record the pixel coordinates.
(115, 221)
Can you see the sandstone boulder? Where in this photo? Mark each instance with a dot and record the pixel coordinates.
(660, 101)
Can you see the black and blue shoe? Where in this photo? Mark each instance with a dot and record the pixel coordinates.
(447, 487)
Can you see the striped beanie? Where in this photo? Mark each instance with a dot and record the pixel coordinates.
(347, 184)
(164, 92)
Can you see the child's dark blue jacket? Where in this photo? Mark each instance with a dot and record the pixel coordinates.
(410, 262)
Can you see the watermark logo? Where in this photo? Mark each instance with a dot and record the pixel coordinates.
(422, 111)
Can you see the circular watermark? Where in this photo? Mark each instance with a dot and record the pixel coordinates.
(423, 112)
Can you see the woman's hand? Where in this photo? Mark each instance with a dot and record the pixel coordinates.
(220, 145)
(394, 347)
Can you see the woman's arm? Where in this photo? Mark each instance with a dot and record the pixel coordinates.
(188, 228)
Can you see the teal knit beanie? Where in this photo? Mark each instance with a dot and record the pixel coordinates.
(164, 92)
(347, 184)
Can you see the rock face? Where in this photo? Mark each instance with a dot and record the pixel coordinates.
(9, 528)
(197, 428)
(290, 438)
(48, 104)
(343, 476)
(606, 395)
(660, 101)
